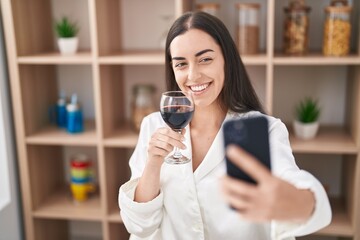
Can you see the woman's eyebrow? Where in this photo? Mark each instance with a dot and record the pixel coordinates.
(203, 51)
(196, 55)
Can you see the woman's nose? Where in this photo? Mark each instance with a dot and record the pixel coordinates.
(193, 73)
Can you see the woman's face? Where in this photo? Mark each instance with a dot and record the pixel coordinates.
(198, 65)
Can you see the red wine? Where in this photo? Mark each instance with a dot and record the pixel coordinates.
(177, 117)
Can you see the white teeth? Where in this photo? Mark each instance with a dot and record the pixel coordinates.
(199, 88)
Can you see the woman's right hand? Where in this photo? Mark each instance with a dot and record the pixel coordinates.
(162, 142)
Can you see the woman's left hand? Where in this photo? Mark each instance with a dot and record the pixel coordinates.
(271, 199)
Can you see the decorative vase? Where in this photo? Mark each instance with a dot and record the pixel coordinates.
(68, 45)
(305, 131)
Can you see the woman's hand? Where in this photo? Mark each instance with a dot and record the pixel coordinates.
(162, 142)
(271, 199)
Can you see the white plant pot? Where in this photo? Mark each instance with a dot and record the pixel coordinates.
(305, 130)
(68, 45)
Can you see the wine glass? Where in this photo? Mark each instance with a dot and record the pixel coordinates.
(177, 109)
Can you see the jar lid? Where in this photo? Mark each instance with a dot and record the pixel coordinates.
(208, 5)
(80, 160)
(297, 6)
(247, 5)
(338, 6)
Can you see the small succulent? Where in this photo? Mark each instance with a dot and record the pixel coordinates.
(65, 28)
(307, 111)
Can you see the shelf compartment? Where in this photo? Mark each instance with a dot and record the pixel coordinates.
(84, 57)
(315, 59)
(340, 224)
(41, 86)
(49, 183)
(60, 205)
(52, 135)
(334, 140)
(117, 173)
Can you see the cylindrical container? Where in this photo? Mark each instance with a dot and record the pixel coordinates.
(296, 27)
(143, 103)
(211, 8)
(75, 122)
(82, 182)
(248, 30)
(337, 29)
(61, 117)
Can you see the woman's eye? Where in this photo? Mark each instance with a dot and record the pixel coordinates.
(205, 59)
(179, 65)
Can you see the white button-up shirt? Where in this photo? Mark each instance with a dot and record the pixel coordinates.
(190, 205)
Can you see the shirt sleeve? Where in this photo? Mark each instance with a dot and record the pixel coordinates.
(140, 219)
(284, 166)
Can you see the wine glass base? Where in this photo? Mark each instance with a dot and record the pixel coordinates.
(180, 160)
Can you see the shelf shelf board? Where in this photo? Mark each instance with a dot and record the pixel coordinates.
(115, 217)
(333, 140)
(260, 59)
(340, 224)
(134, 58)
(61, 206)
(83, 57)
(124, 137)
(52, 135)
(316, 59)
(157, 58)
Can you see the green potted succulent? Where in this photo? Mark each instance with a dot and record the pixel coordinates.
(67, 35)
(306, 123)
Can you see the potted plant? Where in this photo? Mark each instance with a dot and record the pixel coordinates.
(306, 123)
(67, 39)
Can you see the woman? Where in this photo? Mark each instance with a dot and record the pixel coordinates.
(164, 201)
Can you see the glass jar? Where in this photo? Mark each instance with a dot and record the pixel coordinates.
(143, 103)
(337, 29)
(210, 8)
(296, 27)
(247, 38)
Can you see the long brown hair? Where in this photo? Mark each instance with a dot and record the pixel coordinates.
(238, 94)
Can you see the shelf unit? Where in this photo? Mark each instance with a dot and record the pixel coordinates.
(33, 62)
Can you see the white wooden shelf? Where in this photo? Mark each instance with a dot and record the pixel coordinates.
(333, 140)
(315, 59)
(134, 58)
(52, 135)
(56, 58)
(61, 205)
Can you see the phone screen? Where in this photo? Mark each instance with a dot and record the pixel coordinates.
(252, 135)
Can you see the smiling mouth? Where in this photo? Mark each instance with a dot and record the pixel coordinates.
(199, 88)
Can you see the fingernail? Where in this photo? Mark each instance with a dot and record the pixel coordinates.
(183, 147)
(182, 138)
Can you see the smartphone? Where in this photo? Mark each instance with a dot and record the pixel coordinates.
(252, 135)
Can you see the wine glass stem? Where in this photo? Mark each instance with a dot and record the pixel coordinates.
(177, 153)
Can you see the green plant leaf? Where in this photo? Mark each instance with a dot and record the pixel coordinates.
(307, 111)
(66, 29)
